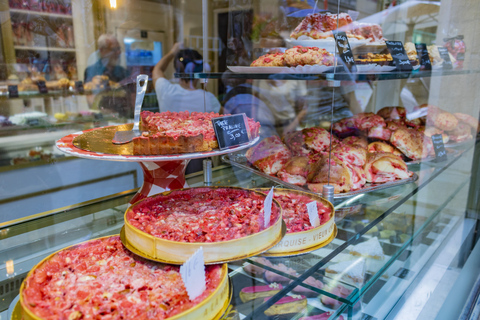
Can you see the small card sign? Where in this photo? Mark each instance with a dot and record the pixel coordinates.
(267, 208)
(79, 87)
(399, 55)
(313, 213)
(344, 50)
(231, 130)
(13, 91)
(439, 147)
(423, 56)
(42, 87)
(193, 274)
(447, 63)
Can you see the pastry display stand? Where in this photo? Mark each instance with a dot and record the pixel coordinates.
(160, 172)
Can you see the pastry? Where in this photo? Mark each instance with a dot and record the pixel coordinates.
(295, 141)
(383, 167)
(311, 281)
(256, 270)
(271, 277)
(462, 132)
(256, 292)
(357, 176)
(379, 132)
(304, 56)
(392, 113)
(321, 25)
(351, 272)
(351, 154)
(180, 132)
(468, 119)
(101, 279)
(269, 156)
(286, 305)
(201, 215)
(295, 171)
(354, 140)
(318, 175)
(412, 143)
(317, 139)
(270, 60)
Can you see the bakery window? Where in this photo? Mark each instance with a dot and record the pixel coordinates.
(323, 155)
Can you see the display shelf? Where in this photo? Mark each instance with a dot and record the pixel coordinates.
(41, 13)
(331, 75)
(34, 48)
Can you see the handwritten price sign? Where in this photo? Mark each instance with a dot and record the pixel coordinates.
(397, 51)
(439, 147)
(344, 50)
(231, 130)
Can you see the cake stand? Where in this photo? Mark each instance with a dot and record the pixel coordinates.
(160, 172)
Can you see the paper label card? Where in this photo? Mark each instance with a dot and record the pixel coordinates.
(193, 274)
(12, 91)
(397, 51)
(344, 50)
(231, 130)
(447, 63)
(313, 213)
(439, 147)
(267, 209)
(423, 56)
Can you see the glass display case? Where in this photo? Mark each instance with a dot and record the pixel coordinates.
(368, 105)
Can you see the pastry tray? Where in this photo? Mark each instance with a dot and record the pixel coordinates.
(240, 161)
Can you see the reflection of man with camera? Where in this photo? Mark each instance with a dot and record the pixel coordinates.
(183, 96)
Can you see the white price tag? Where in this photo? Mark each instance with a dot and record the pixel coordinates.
(313, 213)
(193, 274)
(267, 208)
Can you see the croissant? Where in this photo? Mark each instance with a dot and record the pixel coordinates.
(412, 143)
(383, 167)
(269, 155)
(295, 171)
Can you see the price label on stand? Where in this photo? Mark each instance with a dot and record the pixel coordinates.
(313, 213)
(42, 87)
(344, 50)
(397, 51)
(79, 87)
(13, 91)
(231, 130)
(193, 274)
(423, 56)
(439, 147)
(447, 63)
(267, 208)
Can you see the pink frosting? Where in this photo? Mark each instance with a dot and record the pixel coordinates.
(288, 299)
(270, 287)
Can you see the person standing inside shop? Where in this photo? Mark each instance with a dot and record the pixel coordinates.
(184, 95)
(107, 64)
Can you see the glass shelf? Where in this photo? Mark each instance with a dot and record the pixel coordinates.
(337, 76)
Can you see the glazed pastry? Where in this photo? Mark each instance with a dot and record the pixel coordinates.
(380, 146)
(412, 143)
(462, 132)
(394, 125)
(392, 113)
(286, 305)
(311, 281)
(339, 175)
(357, 176)
(468, 119)
(256, 270)
(269, 156)
(270, 60)
(353, 155)
(295, 171)
(295, 141)
(275, 277)
(381, 133)
(255, 292)
(304, 56)
(345, 128)
(384, 167)
(317, 139)
(354, 140)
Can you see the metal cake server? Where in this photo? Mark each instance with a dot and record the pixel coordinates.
(122, 137)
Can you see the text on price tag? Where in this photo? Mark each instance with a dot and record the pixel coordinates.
(193, 274)
(439, 147)
(267, 208)
(231, 130)
(313, 213)
(344, 50)
(447, 63)
(399, 55)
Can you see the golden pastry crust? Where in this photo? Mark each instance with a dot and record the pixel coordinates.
(384, 167)
(411, 143)
(354, 140)
(295, 171)
(270, 60)
(295, 141)
(339, 175)
(354, 155)
(316, 139)
(269, 156)
(380, 146)
(302, 56)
